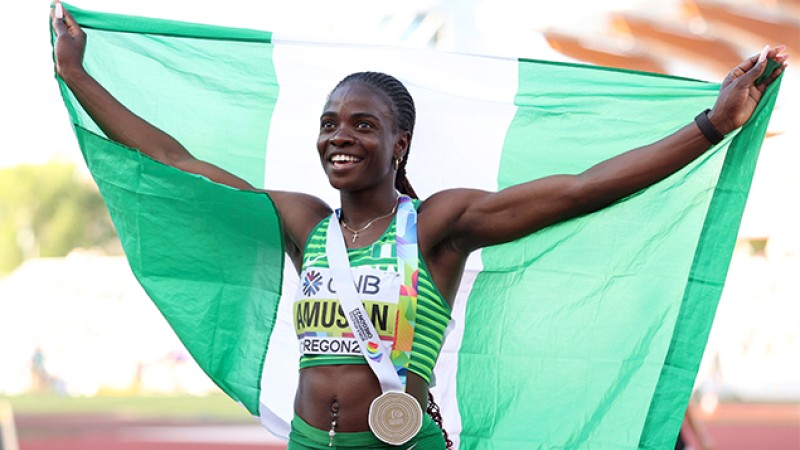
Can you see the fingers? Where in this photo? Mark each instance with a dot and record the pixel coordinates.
(776, 72)
(57, 13)
(742, 69)
(759, 60)
(759, 65)
(777, 51)
(754, 71)
(774, 63)
(776, 54)
(757, 69)
(781, 59)
(63, 21)
(68, 19)
(762, 58)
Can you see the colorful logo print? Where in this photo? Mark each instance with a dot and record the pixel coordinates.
(374, 351)
(311, 283)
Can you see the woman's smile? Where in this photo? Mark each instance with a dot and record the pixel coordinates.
(341, 161)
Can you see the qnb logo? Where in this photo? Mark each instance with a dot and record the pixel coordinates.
(374, 351)
(311, 283)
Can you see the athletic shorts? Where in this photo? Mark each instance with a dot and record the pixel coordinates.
(303, 436)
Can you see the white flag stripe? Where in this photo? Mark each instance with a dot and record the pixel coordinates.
(279, 375)
(446, 388)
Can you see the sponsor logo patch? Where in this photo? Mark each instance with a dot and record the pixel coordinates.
(311, 283)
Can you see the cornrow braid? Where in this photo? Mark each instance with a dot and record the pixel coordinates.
(436, 415)
(405, 114)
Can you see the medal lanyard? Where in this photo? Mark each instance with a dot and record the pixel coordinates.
(391, 367)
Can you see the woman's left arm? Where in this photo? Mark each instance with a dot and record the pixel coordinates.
(478, 219)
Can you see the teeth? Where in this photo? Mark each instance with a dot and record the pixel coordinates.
(344, 158)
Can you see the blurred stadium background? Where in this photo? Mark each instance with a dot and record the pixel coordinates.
(86, 362)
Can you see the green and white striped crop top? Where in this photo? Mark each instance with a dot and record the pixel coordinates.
(433, 312)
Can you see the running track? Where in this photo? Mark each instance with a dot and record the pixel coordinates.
(733, 427)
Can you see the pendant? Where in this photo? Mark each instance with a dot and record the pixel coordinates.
(395, 417)
(355, 236)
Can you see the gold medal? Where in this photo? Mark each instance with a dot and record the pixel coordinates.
(395, 417)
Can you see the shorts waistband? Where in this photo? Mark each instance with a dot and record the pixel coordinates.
(305, 434)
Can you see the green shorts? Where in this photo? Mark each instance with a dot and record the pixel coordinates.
(304, 436)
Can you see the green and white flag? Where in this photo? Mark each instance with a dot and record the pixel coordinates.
(587, 334)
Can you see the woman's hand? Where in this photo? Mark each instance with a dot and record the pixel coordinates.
(70, 42)
(739, 94)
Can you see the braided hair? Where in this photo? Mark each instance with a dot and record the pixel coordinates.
(405, 114)
(436, 415)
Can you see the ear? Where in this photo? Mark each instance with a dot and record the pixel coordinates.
(401, 144)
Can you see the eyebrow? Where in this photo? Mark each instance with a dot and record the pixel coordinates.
(358, 115)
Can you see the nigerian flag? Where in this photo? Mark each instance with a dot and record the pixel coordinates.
(587, 334)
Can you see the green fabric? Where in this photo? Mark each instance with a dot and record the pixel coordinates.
(161, 27)
(587, 319)
(180, 233)
(206, 77)
(706, 279)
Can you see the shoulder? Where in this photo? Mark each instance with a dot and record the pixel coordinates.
(299, 213)
(450, 204)
(289, 202)
(446, 214)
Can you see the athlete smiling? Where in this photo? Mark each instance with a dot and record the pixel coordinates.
(365, 132)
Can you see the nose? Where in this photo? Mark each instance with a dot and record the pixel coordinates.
(342, 136)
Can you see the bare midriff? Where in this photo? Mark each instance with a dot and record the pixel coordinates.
(348, 389)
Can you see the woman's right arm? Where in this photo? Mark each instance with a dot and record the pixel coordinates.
(117, 121)
(299, 212)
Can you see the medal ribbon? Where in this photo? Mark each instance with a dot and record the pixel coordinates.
(408, 267)
(390, 366)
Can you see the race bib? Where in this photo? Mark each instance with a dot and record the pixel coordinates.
(320, 321)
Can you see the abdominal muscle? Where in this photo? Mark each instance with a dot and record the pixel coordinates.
(351, 389)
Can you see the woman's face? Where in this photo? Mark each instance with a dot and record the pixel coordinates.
(357, 138)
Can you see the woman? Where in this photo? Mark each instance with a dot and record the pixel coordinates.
(366, 128)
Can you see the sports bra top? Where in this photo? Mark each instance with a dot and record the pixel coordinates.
(433, 312)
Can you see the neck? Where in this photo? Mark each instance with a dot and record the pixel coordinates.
(358, 208)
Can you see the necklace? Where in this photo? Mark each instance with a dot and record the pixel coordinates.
(369, 224)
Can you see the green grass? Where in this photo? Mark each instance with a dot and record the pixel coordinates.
(211, 407)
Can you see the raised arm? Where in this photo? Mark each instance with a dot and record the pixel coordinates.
(117, 121)
(299, 212)
(477, 219)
